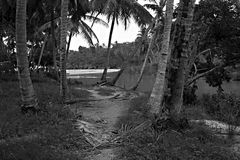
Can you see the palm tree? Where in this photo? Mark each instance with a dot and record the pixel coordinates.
(79, 26)
(28, 97)
(156, 97)
(155, 25)
(62, 49)
(145, 36)
(123, 10)
(187, 9)
(53, 37)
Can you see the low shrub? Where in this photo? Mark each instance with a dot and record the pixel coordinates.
(194, 143)
(197, 143)
(223, 107)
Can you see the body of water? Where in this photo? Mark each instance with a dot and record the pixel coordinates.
(127, 80)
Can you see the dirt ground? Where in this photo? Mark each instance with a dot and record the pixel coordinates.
(100, 117)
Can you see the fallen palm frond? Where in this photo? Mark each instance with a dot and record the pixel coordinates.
(93, 133)
(98, 138)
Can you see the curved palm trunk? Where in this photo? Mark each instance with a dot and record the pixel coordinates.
(144, 63)
(156, 96)
(147, 54)
(28, 97)
(115, 79)
(177, 93)
(63, 35)
(104, 75)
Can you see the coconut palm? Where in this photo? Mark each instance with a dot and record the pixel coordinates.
(116, 10)
(187, 9)
(80, 27)
(154, 27)
(62, 49)
(28, 97)
(156, 97)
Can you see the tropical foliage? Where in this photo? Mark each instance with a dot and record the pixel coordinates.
(184, 43)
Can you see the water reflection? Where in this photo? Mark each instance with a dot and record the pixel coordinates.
(127, 80)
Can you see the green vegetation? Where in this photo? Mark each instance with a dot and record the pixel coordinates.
(46, 135)
(179, 45)
(196, 142)
(88, 58)
(223, 107)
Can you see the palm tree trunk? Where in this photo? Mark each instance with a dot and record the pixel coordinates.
(28, 97)
(157, 94)
(104, 75)
(63, 35)
(42, 50)
(146, 56)
(177, 93)
(193, 49)
(115, 79)
(69, 42)
(144, 64)
(1, 45)
(53, 39)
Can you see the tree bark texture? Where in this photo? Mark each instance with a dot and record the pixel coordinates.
(63, 42)
(178, 87)
(28, 97)
(156, 96)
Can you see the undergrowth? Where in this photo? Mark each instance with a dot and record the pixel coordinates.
(223, 107)
(194, 143)
(47, 135)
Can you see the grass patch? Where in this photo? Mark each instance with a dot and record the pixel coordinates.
(195, 143)
(54, 136)
(79, 93)
(195, 112)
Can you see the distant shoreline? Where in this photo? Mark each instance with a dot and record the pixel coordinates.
(88, 71)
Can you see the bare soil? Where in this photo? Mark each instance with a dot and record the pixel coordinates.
(104, 114)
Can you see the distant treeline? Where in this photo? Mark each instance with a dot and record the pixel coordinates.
(94, 58)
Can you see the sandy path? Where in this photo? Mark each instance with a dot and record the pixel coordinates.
(105, 113)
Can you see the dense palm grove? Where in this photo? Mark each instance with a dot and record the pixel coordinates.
(186, 43)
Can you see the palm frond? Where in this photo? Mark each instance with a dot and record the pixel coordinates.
(90, 31)
(140, 14)
(98, 13)
(86, 35)
(154, 7)
(97, 20)
(45, 26)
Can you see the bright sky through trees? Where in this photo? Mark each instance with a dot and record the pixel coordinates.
(119, 33)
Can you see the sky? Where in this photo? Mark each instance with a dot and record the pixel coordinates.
(119, 33)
